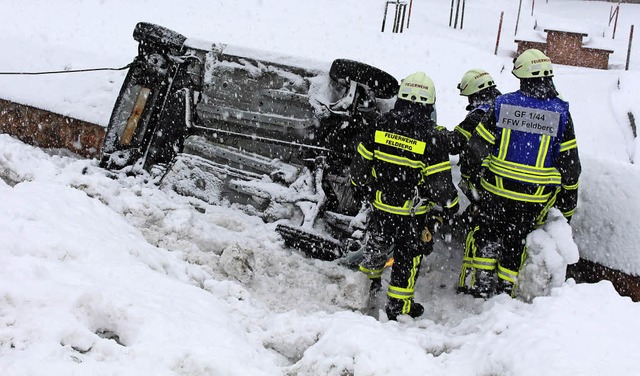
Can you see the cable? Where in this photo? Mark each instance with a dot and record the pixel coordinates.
(64, 71)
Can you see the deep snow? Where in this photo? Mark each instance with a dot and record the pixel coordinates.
(115, 276)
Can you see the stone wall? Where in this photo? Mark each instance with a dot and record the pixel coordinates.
(46, 129)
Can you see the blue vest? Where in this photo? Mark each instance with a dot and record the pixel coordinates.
(528, 136)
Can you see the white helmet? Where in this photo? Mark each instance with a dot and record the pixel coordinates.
(532, 63)
(474, 81)
(418, 88)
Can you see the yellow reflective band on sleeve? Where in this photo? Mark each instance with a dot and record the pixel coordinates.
(438, 167)
(500, 191)
(354, 183)
(453, 203)
(372, 273)
(400, 142)
(364, 152)
(572, 187)
(484, 263)
(569, 213)
(568, 145)
(484, 133)
(522, 172)
(506, 274)
(463, 132)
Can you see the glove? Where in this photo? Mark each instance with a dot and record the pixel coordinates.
(438, 224)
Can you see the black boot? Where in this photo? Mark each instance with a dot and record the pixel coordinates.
(394, 309)
(505, 287)
(485, 284)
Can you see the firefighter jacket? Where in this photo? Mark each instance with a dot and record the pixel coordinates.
(462, 133)
(528, 151)
(404, 161)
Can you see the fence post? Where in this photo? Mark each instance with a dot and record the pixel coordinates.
(615, 24)
(455, 23)
(629, 48)
(462, 18)
(403, 10)
(451, 14)
(384, 18)
(409, 15)
(499, 31)
(533, 4)
(518, 18)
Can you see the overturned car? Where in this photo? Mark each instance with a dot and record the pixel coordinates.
(271, 134)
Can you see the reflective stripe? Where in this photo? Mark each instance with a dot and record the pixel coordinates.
(542, 217)
(438, 167)
(414, 271)
(514, 195)
(407, 209)
(506, 274)
(568, 145)
(569, 213)
(402, 161)
(484, 263)
(400, 292)
(545, 140)
(372, 273)
(397, 160)
(364, 152)
(504, 144)
(463, 132)
(570, 187)
(467, 261)
(404, 210)
(522, 172)
(484, 133)
(453, 203)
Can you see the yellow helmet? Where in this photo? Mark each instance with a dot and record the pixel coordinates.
(418, 88)
(532, 63)
(475, 80)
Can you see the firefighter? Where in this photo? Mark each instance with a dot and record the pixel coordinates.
(528, 155)
(403, 166)
(481, 91)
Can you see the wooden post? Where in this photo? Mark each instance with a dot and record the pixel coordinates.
(462, 18)
(409, 15)
(403, 8)
(499, 31)
(396, 18)
(610, 15)
(518, 18)
(615, 24)
(533, 4)
(384, 18)
(629, 48)
(451, 14)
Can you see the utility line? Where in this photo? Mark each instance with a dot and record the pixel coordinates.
(63, 71)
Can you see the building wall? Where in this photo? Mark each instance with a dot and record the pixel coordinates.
(566, 48)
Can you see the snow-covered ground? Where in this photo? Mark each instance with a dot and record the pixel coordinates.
(104, 276)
